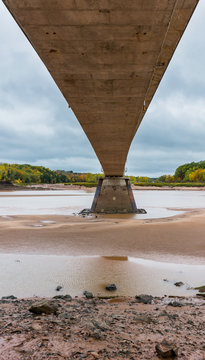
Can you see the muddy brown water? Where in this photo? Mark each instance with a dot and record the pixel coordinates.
(39, 275)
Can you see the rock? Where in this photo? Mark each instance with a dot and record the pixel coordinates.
(179, 283)
(63, 297)
(88, 294)
(94, 354)
(143, 319)
(163, 313)
(96, 328)
(111, 287)
(141, 211)
(201, 294)
(43, 307)
(100, 325)
(96, 334)
(58, 288)
(201, 289)
(175, 304)
(85, 212)
(65, 315)
(166, 350)
(36, 326)
(9, 297)
(145, 299)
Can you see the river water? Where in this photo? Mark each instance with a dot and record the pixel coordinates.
(158, 203)
(27, 275)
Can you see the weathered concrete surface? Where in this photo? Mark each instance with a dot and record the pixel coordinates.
(114, 195)
(107, 58)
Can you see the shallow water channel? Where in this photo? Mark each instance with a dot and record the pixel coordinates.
(158, 203)
(39, 275)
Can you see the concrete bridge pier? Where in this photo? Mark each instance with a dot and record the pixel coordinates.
(114, 195)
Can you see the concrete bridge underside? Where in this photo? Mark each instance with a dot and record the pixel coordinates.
(107, 57)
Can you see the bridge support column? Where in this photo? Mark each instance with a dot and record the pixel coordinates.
(114, 195)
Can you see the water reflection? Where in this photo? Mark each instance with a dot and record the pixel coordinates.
(117, 258)
(28, 275)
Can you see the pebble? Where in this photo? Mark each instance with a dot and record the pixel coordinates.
(111, 287)
(95, 354)
(9, 297)
(88, 294)
(145, 299)
(58, 288)
(63, 297)
(43, 307)
(166, 350)
(175, 304)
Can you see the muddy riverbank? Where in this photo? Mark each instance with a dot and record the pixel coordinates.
(102, 329)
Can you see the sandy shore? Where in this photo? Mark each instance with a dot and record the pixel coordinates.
(11, 187)
(163, 239)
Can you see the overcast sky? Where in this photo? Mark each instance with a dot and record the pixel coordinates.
(37, 127)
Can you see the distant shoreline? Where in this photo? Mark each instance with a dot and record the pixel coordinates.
(12, 187)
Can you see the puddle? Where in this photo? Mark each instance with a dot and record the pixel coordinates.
(48, 222)
(39, 275)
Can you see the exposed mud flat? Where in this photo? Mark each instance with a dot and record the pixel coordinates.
(177, 239)
(102, 329)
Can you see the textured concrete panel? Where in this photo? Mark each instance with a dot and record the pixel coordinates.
(114, 195)
(107, 58)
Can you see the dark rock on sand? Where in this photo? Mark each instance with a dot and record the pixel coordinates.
(179, 283)
(145, 299)
(63, 297)
(166, 350)
(201, 289)
(85, 212)
(43, 307)
(175, 304)
(111, 287)
(96, 328)
(141, 211)
(9, 297)
(143, 319)
(58, 288)
(88, 294)
(201, 294)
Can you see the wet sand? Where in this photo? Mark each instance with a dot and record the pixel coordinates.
(178, 239)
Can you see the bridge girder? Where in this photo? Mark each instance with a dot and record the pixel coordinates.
(107, 57)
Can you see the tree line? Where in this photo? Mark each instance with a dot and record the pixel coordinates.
(193, 172)
(24, 174)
